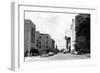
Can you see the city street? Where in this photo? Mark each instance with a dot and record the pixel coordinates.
(59, 56)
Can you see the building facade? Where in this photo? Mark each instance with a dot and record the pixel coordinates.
(73, 35)
(36, 42)
(82, 33)
(44, 43)
(29, 36)
(68, 44)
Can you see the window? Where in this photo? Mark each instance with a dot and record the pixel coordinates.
(40, 37)
(46, 36)
(46, 46)
(33, 35)
(46, 42)
(39, 42)
(39, 46)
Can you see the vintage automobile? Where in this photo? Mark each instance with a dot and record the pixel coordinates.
(51, 53)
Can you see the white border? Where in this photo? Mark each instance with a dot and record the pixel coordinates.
(17, 61)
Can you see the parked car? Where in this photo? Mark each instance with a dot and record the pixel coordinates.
(51, 53)
(44, 55)
(74, 52)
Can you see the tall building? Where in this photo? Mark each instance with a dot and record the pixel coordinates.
(29, 36)
(82, 29)
(73, 35)
(68, 44)
(80, 33)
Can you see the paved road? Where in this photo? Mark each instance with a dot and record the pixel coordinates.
(59, 56)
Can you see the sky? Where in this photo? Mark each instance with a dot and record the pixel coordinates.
(57, 25)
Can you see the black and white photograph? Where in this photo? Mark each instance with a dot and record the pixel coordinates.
(52, 35)
(46, 37)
